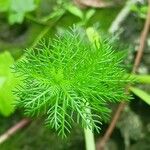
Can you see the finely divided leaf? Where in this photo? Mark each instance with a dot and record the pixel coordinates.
(70, 80)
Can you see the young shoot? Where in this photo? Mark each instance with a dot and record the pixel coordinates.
(69, 79)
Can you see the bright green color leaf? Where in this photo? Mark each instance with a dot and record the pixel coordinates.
(140, 93)
(2, 81)
(37, 2)
(90, 13)
(7, 83)
(93, 36)
(4, 5)
(15, 18)
(140, 11)
(75, 11)
(141, 78)
(144, 9)
(19, 8)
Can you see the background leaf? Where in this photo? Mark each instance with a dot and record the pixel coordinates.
(140, 93)
(89, 14)
(4, 5)
(17, 9)
(7, 83)
(141, 78)
(75, 11)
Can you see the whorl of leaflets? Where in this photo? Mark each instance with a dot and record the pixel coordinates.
(69, 79)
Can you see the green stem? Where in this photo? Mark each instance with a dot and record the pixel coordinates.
(89, 136)
(89, 139)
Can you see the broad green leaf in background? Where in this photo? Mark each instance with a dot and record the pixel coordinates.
(142, 94)
(4, 5)
(7, 83)
(19, 8)
(15, 18)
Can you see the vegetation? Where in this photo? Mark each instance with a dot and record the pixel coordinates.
(71, 74)
(67, 76)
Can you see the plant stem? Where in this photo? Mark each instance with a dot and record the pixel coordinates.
(121, 16)
(89, 139)
(93, 37)
(14, 129)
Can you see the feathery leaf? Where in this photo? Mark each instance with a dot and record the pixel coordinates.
(67, 76)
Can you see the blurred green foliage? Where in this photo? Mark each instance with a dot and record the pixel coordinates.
(84, 16)
(7, 83)
(142, 94)
(20, 27)
(16, 9)
(141, 10)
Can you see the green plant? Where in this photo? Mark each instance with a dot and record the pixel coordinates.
(17, 9)
(7, 84)
(142, 94)
(71, 80)
(142, 79)
(84, 16)
(140, 10)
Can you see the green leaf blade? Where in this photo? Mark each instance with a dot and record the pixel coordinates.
(7, 84)
(142, 94)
